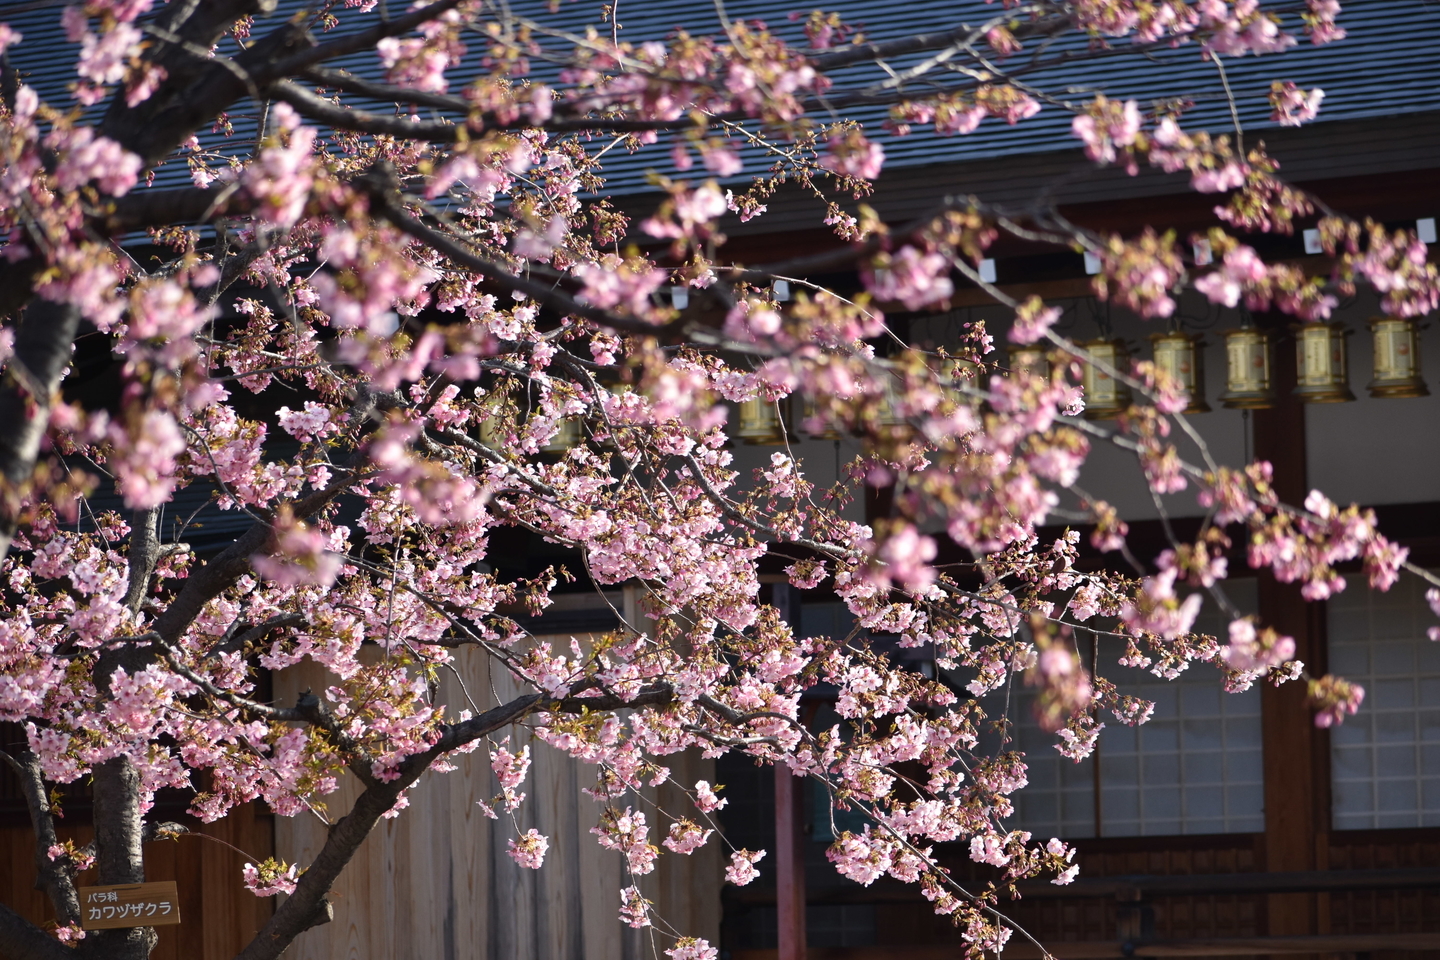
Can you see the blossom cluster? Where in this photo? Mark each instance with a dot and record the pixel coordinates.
(394, 351)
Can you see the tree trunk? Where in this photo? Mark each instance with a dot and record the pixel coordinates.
(42, 351)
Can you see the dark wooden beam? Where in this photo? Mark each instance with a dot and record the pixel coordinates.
(1132, 888)
(789, 830)
(1105, 949)
(1297, 780)
(789, 866)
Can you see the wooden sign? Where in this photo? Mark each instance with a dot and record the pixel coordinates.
(129, 905)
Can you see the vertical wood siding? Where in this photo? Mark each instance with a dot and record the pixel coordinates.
(218, 916)
(437, 883)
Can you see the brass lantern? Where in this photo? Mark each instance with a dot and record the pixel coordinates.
(1397, 358)
(1322, 369)
(1105, 397)
(1033, 360)
(760, 422)
(1179, 355)
(1247, 373)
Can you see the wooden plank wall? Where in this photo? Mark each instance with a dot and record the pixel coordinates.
(1385, 911)
(437, 883)
(218, 916)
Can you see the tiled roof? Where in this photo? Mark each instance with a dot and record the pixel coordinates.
(1386, 67)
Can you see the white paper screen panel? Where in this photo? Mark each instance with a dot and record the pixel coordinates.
(1194, 768)
(1385, 760)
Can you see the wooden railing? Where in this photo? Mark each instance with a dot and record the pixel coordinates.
(1134, 926)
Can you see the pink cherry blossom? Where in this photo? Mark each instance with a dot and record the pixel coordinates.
(692, 948)
(705, 798)
(86, 157)
(276, 357)
(148, 448)
(1293, 106)
(529, 850)
(9, 36)
(269, 878)
(741, 870)
(910, 276)
(852, 155)
(281, 176)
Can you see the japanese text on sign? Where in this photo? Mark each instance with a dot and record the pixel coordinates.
(129, 905)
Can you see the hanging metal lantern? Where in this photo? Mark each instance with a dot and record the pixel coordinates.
(1033, 360)
(1248, 385)
(1179, 355)
(1397, 359)
(760, 423)
(1322, 368)
(1105, 397)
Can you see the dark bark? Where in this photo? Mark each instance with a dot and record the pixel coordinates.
(144, 554)
(922, 42)
(17, 284)
(299, 62)
(385, 203)
(54, 877)
(117, 822)
(42, 351)
(119, 833)
(321, 110)
(164, 208)
(228, 566)
(349, 83)
(308, 905)
(197, 87)
(25, 941)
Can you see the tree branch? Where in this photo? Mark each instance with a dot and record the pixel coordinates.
(354, 43)
(301, 909)
(198, 87)
(321, 110)
(17, 283)
(144, 555)
(236, 640)
(42, 349)
(562, 122)
(119, 833)
(140, 209)
(51, 876)
(24, 941)
(386, 203)
(308, 905)
(341, 80)
(918, 43)
(232, 563)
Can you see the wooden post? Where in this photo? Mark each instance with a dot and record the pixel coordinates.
(1297, 777)
(789, 866)
(789, 832)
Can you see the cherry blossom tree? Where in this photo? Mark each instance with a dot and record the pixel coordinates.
(444, 284)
